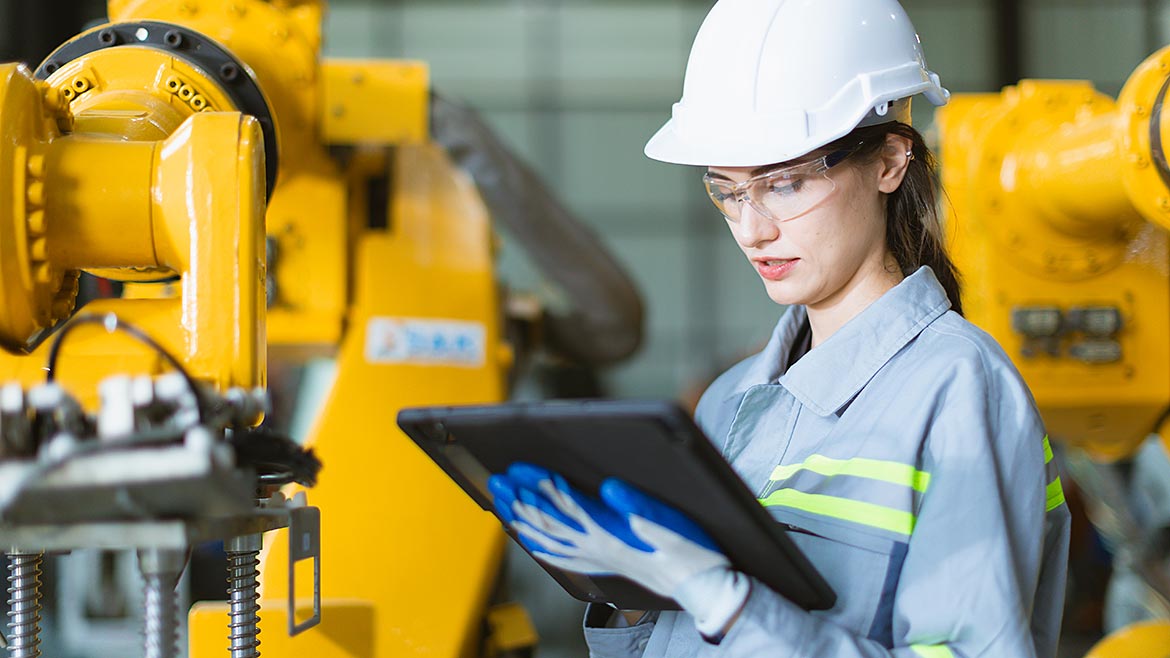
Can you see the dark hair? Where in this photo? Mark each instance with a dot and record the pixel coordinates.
(913, 229)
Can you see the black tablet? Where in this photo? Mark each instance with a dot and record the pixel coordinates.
(654, 446)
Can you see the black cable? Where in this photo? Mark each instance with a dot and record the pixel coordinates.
(111, 323)
(277, 458)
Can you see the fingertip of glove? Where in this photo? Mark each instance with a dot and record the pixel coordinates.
(622, 497)
(503, 496)
(528, 475)
(530, 497)
(499, 484)
(641, 508)
(528, 544)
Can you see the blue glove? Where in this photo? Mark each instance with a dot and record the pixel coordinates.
(522, 483)
(627, 534)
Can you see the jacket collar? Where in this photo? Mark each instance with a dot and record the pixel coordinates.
(834, 372)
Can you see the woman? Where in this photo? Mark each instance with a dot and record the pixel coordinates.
(894, 436)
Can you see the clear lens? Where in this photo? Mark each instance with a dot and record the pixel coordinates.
(780, 194)
(789, 196)
(725, 196)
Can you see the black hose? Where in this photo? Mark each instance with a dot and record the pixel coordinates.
(604, 324)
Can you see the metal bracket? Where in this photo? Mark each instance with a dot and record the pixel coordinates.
(304, 543)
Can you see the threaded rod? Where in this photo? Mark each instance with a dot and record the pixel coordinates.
(243, 572)
(162, 617)
(161, 569)
(24, 605)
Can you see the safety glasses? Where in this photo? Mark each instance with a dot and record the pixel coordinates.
(780, 194)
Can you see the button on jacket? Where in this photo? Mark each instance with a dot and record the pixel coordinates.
(908, 455)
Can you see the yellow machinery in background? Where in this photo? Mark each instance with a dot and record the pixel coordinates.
(264, 204)
(1058, 218)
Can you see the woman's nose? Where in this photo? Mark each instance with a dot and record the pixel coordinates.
(754, 227)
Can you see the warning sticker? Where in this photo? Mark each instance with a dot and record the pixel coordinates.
(438, 342)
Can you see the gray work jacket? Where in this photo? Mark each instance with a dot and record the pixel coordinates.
(910, 453)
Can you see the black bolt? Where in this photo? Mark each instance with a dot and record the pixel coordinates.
(173, 38)
(229, 71)
(51, 66)
(107, 37)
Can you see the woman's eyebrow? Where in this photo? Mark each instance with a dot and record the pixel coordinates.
(779, 165)
(754, 172)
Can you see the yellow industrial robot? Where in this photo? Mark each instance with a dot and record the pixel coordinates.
(266, 208)
(1059, 211)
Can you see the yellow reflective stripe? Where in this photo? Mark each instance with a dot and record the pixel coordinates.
(932, 650)
(855, 511)
(873, 469)
(1055, 494)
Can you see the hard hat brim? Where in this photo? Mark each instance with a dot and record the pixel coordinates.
(716, 149)
(668, 146)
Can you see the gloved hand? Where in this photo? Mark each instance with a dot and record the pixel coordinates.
(626, 533)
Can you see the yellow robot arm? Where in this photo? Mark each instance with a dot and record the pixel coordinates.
(1059, 205)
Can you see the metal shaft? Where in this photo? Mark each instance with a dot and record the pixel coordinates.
(161, 570)
(243, 571)
(24, 605)
(162, 618)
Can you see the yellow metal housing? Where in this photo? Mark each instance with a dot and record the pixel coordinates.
(153, 205)
(1056, 203)
(1144, 640)
(374, 102)
(135, 92)
(510, 629)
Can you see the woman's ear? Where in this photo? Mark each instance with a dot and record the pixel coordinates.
(895, 160)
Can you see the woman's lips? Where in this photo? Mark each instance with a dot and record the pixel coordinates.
(774, 269)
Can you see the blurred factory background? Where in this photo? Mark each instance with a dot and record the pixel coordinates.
(576, 87)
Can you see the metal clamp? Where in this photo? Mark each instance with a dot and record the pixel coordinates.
(304, 543)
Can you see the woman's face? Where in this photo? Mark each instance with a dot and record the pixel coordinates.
(820, 257)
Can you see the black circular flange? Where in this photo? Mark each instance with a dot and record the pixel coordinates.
(196, 49)
(1157, 150)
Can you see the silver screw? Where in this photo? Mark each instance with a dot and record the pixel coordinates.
(24, 605)
(243, 555)
(161, 570)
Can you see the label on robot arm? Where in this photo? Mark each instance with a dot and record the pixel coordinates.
(430, 342)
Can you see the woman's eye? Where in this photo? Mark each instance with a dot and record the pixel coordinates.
(786, 186)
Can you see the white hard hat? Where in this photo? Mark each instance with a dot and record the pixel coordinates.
(770, 80)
